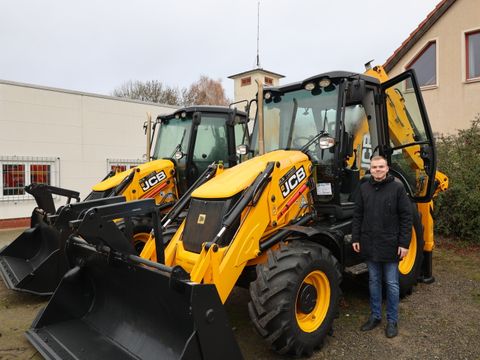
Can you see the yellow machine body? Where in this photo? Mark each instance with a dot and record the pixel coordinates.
(153, 179)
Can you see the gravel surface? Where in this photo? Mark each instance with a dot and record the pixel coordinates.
(438, 321)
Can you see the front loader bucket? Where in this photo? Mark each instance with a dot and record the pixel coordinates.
(109, 308)
(30, 263)
(35, 261)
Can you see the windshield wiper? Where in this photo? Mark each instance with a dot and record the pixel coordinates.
(179, 146)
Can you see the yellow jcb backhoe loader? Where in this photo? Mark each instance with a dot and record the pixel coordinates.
(281, 221)
(188, 140)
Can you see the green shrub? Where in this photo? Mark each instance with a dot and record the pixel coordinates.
(457, 211)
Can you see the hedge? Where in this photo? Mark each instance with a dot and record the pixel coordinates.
(457, 211)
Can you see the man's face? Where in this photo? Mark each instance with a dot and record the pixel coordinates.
(378, 169)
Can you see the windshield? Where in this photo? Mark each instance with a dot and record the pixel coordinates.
(292, 119)
(172, 136)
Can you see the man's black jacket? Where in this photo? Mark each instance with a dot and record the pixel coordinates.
(382, 220)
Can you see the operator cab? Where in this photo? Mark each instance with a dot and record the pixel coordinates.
(195, 137)
(342, 119)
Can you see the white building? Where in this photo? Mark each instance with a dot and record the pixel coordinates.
(66, 138)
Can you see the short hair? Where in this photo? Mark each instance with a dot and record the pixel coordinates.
(378, 157)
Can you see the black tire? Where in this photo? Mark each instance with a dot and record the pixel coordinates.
(142, 226)
(411, 266)
(276, 297)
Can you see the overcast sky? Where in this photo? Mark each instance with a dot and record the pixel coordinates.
(95, 46)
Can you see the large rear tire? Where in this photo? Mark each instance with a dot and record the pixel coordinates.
(411, 265)
(294, 299)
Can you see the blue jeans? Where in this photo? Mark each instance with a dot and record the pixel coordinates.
(389, 272)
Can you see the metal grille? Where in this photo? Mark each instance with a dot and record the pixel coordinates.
(20, 171)
(13, 179)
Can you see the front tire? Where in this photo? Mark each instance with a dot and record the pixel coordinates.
(294, 299)
(142, 226)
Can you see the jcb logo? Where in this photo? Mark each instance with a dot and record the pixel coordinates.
(153, 180)
(291, 180)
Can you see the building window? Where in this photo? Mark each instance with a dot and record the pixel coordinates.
(472, 47)
(13, 179)
(120, 165)
(425, 65)
(246, 81)
(18, 172)
(268, 81)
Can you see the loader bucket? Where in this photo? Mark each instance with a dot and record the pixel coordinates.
(109, 308)
(30, 262)
(35, 261)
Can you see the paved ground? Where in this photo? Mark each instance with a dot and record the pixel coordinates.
(6, 236)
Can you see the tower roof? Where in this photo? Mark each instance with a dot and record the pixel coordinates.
(254, 71)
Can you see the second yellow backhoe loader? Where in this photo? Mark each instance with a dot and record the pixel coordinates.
(280, 221)
(186, 142)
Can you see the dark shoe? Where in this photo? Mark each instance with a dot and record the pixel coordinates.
(372, 323)
(391, 330)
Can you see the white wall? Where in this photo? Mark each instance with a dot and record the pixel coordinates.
(82, 130)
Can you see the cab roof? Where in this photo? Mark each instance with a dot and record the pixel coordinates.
(217, 109)
(331, 75)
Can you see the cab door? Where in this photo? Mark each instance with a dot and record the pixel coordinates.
(209, 143)
(409, 143)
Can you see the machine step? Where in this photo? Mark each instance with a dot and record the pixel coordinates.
(357, 269)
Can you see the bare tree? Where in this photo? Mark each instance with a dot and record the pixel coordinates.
(153, 91)
(205, 91)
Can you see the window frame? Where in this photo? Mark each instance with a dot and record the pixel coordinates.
(417, 56)
(246, 81)
(467, 63)
(28, 161)
(268, 80)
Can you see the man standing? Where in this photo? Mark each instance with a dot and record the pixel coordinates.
(382, 228)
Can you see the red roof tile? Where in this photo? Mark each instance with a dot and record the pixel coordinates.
(416, 34)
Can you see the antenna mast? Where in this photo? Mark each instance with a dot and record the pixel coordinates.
(258, 35)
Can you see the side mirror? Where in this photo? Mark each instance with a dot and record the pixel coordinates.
(326, 142)
(242, 149)
(178, 155)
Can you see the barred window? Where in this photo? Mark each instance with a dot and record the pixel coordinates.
(40, 173)
(120, 165)
(18, 172)
(13, 179)
(118, 168)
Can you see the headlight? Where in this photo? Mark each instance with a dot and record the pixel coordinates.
(309, 86)
(324, 82)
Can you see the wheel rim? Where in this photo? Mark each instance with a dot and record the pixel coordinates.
(139, 241)
(315, 284)
(406, 265)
